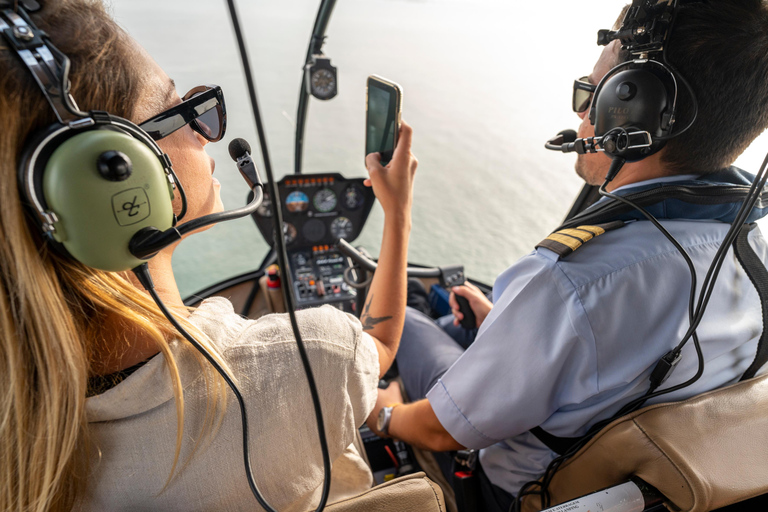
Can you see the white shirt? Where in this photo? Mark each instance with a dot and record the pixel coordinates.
(133, 425)
(568, 342)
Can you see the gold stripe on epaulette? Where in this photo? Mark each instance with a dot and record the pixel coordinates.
(568, 241)
(595, 230)
(565, 241)
(581, 234)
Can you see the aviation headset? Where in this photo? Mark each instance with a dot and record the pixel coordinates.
(91, 181)
(634, 109)
(634, 106)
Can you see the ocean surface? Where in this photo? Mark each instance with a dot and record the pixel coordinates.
(486, 83)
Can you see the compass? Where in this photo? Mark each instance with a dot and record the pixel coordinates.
(321, 79)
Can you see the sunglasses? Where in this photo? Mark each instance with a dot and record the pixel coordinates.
(582, 94)
(202, 108)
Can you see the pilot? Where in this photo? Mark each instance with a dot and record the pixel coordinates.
(569, 340)
(103, 405)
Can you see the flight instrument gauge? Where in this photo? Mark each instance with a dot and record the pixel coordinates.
(342, 227)
(325, 200)
(353, 197)
(322, 78)
(297, 201)
(265, 208)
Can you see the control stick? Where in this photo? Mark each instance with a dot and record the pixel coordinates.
(448, 276)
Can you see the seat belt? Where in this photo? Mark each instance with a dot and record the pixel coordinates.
(756, 272)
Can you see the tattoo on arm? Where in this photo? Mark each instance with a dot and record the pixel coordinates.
(369, 322)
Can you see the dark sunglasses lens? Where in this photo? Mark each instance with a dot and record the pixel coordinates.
(582, 94)
(581, 100)
(209, 124)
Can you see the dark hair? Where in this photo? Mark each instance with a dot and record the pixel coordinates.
(721, 48)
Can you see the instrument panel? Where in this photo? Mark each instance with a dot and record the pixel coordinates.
(318, 209)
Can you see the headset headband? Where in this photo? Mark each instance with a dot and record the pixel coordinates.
(48, 66)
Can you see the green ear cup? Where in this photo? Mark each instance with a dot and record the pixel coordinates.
(98, 215)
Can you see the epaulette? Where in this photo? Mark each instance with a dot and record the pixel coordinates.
(565, 241)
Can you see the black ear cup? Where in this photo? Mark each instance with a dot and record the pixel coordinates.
(632, 110)
(91, 189)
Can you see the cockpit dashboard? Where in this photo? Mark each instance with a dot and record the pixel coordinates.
(318, 210)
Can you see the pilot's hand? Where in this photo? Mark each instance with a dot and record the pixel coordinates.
(479, 303)
(388, 396)
(393, 184)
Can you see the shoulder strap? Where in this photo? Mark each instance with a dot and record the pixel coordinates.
(564, 241)
(757, 273)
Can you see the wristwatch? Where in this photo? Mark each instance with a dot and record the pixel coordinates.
(385, 416)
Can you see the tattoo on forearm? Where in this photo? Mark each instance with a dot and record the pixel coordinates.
(369, 322)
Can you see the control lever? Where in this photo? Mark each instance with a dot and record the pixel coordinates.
(448, 276)
(454, 276)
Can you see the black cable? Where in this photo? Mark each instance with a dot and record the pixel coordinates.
(63, 78)
(282, 257)
(676, 74)
(142, 274)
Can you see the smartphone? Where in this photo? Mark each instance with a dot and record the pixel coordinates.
(384, 101)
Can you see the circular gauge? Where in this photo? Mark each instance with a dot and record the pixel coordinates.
(289, 232)
(325, 200)
(323, 83)
(265, 208)
(297, 201)
(353, 197)
(313, 230)
(342, 227)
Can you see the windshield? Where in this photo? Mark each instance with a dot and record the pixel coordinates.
(485, 84)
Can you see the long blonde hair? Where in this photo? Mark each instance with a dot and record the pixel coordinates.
(53, 310)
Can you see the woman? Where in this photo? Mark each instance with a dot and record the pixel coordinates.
(103, 406)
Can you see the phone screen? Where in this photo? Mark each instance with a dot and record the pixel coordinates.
(381, 122)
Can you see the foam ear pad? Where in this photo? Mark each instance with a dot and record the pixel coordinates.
(104, 186)
(636, 100)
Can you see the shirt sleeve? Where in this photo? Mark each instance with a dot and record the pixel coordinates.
(534, 354)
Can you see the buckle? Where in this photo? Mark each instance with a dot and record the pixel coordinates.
(466, 458)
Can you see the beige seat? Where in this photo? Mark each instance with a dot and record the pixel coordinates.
(414, 492)
(703, 453)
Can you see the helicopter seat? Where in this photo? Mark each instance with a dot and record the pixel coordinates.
(704, 453)
(411, 492)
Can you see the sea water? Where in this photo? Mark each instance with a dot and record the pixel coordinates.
(486, 83)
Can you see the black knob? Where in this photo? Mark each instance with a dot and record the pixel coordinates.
(115, 166)
(626, 91)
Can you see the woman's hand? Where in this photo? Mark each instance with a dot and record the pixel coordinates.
(479, 303)
(393, 184)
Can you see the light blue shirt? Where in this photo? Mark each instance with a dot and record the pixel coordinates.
(568, 342)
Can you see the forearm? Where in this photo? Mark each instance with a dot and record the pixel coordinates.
(417, 425)
(384, 311)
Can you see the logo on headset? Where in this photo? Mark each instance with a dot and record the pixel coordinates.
(130, 206)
